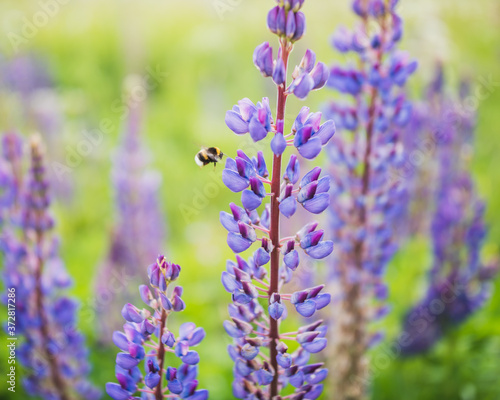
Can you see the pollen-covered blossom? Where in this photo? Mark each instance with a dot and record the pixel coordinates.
(369, 194)
(139, 229)
(264, 368)
(147, 341)
(51, 349)
(458, 281)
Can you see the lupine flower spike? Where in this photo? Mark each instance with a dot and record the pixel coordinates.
(147, 341)
(263, 365)
(458, 282)
(51, 349)
(139, 230)
(369, 194)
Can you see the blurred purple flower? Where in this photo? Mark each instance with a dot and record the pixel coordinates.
(139, 228)
(51, 350)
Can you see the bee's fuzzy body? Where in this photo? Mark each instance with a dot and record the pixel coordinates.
(208, 155)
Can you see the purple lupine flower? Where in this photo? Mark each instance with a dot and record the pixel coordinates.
(51, 350)
(459, 281)
(139, 229)
(255, 226)
(369, 194)
(146, 340)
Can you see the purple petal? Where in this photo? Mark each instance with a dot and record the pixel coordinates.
(130, 313)
(306, 309)
(319, 75)
(244, 166)
(236, 123)
(291, 260)
(178, 304)
(242, 368)
(257, 131)
(120, 340)
(307, 192)
(145, 293)
(165, 302)
(311, 149)
(279, 72)
(308, 61)
(152, 379)
(314, 393)
(311, 176)
(272, 19)
(297, 380)
(292, 171)
(323, 185)
(317, 204)
(276, 310)
(326, 131)
(234, 181)
(318, 376)
(186, 329)
(278, 144)
(303, 135)
(249, 352)
(228, 222)
(231, 164)
(126, 361)
(175, 386)
(191, 358)
(321, 250)
(315, 346)
(238, 243)
(322, 300)
(229, 282)
(290, 25)
(288, 206)
(168, 339)
(300, 23)
(281, 21)
(247, 231)
(264, 377)
(261, 257)
(197, 337)
(246, 108)
(199, 395)
(116, 392)
(284, 360)
(250, 200)
(302, 86)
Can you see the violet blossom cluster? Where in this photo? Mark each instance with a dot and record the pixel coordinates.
(264, 368)
(146, 340)
(52, 351)
(139, 229)
(369, 194)
(458, 281)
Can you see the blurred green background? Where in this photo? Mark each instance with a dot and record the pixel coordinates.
(205, 48)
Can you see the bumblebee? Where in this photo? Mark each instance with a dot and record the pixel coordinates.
(208, 155)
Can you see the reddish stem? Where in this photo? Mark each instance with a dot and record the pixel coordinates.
(275, 230)
(55, 376)
(161, 355)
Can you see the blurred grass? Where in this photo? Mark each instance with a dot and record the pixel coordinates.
(91, 46)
